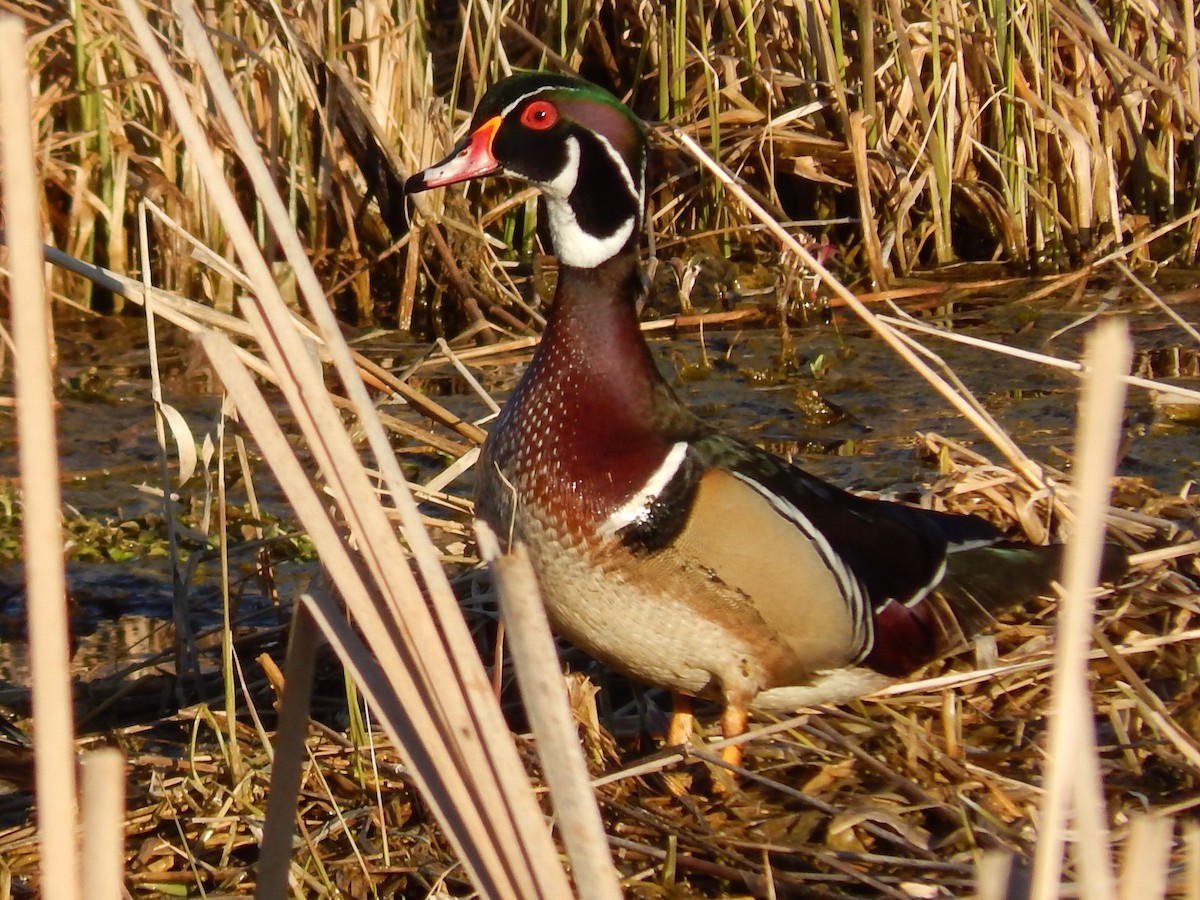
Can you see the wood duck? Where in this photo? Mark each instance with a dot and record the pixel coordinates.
(670, 552)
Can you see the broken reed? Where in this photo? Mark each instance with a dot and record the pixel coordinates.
(1040, 134)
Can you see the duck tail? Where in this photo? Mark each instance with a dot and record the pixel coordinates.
(983, 582)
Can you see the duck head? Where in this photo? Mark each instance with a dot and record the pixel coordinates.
(577, 143)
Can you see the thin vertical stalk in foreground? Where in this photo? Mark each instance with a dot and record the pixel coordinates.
(1191, 860)
(1072, 772)
(186, 656)
(228, 651)
(866, 65)
(1147, 858)
(288, 756)
(104, 823)
(869, 221)
(541, 682)
(45, 581)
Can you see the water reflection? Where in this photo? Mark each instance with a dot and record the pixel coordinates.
(122, 622)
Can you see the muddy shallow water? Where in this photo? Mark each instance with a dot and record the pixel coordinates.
(879, 404)
(121, 585)
(846, 407)
(840, 403)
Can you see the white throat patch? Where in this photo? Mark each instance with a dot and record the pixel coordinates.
(574, 246)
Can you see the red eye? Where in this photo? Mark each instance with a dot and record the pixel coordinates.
(539, 115)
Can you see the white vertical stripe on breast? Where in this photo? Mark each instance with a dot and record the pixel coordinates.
(638, 506)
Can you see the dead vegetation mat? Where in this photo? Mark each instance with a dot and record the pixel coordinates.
(893, 796)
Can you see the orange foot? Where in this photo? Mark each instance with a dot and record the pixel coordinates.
(733, 723)
(683, 720)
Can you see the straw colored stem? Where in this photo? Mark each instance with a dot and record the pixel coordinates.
(54, 747)
(1191, 849)
(543, 690)
(287, 757)
(1068, 365)
(1147, 858)
(1072, 766)
(185, 642)
(104, 823)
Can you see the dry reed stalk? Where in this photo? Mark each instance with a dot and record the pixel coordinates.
(469, 767)
(467, 376)
(287, 755)
(1158, 301)
(1073, 780)
(167, 416)
(1191, 862)
(45, 582)
(1068, 365)
(190, 315)
(1147, 859)
(103, 809)
(517, 345)
(857, 137)
(542, 688)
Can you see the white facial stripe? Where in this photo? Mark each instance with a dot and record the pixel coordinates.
(860, 616)
(637, 507)
(560, 186)
(549, 87)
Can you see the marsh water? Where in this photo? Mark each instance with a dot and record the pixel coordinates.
(831, 396)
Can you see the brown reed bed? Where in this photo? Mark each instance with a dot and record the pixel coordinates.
(1053, 136)
(878, 798)
(1044, 136)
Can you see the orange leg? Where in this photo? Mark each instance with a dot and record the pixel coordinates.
(733, 723)
(683, 720)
